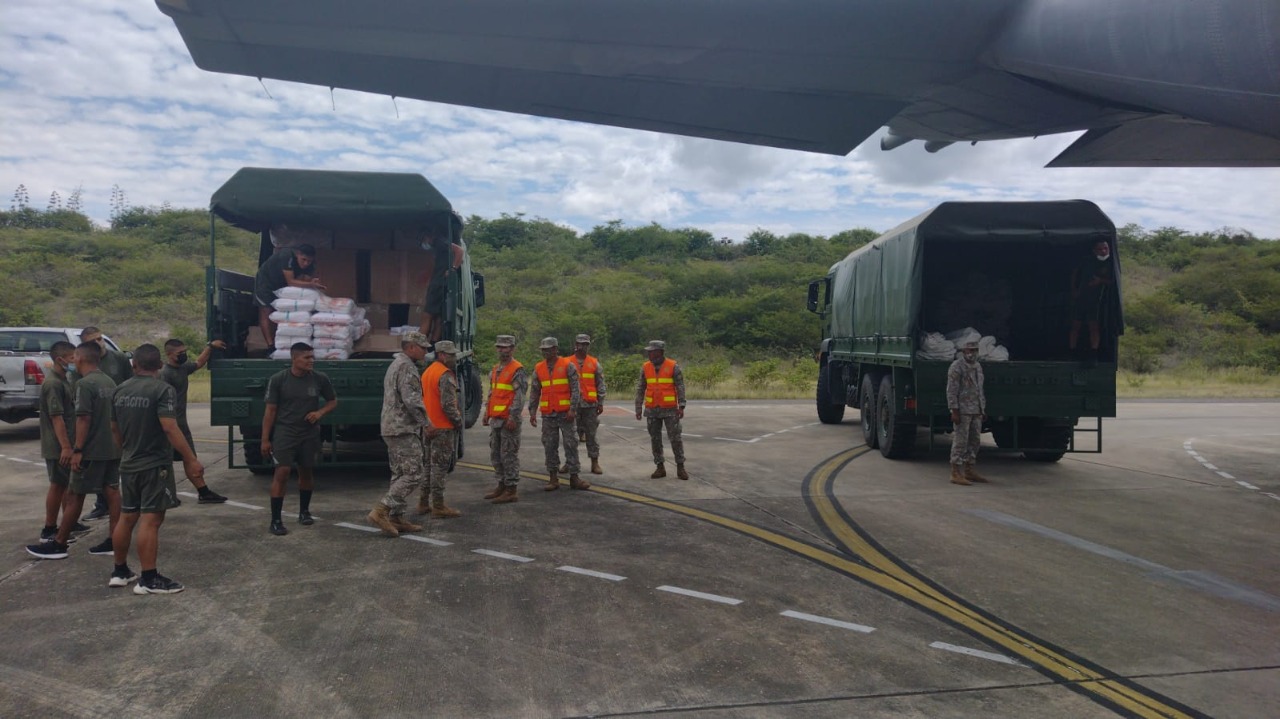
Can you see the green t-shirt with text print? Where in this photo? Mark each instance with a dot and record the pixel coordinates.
(139, 404)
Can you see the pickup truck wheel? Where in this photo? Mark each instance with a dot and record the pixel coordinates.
(253, 451)
(897, 439)
(474, 396)
(828, 413)
(1054, 440)
(867, 408)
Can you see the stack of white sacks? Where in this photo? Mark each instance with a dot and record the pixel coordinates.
(329, 324)
(938, 346)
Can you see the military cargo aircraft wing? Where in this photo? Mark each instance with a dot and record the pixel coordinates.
(1156, 82)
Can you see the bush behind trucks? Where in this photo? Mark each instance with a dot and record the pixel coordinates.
(367, 229)
(1003, 268)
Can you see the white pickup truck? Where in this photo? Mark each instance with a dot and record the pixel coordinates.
(24, 354)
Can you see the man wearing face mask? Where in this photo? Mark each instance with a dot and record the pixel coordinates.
(114, 364)
(176, 373)
(1089, 283)
(57, 434)
(968, 404)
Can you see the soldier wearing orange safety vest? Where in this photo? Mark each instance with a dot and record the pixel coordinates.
(660, 398)
(591, 406)
(508, 383)
(440, 397)
(556, 392)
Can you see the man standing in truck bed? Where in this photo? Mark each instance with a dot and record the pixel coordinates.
(968, 404)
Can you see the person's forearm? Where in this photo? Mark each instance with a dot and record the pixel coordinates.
(60, 431)
(178, 441)
(203, 359)
(82, 428)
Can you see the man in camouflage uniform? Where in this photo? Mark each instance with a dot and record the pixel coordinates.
(968, 405)
(661, 406)
(562, 394)
(404, 424)
(444, 411)
(508, 384)
(589, 409)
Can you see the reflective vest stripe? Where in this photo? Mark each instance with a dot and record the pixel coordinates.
(587, 370)
(555, 396)
(503, 391)
(656, 393)
(431, 395)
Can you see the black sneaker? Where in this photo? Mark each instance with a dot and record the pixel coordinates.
(48, 534)
(122, 578)
(210, 497)
(159, 584)
(48, 550)
(103, 547)
(277, 528)
(306, 518)
(97, 513)
(80, 528)
(177, 502)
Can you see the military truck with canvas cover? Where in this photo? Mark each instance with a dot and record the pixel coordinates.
(1003, 269)
(368, 232)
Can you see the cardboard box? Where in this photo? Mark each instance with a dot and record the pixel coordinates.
(337, 269)
(377, 316)
(377, 341)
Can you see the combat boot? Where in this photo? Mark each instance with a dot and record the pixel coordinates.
(680, 473)
(576, 483)
(440, 510)
(564, 468)
(507, 497)
(972, 475)
(595, 466)
(380, 518)
(403, 525)
(553, 482)
(659, 473)
(496, 491)
(957, 476)
(424, 505)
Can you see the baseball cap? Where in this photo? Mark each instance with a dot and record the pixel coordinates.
(446, 347)
(505, 341)
(655, 345)
(548, 343)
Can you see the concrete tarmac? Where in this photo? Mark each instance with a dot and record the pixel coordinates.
(797, 574)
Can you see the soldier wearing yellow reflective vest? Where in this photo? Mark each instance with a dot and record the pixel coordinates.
(508, 383)
(591, 406)
(660, 397)
(556, 392)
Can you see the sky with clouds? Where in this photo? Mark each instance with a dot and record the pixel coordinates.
(96, 93)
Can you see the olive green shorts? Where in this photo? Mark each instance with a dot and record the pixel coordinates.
(149, 491)
(296, 451)
(58, 474)
(95, 475)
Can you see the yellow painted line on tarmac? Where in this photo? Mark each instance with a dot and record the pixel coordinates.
(881, 572)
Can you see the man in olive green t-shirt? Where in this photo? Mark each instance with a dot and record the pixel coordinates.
(57, 433)
(114, 364)
(145, 425)
(176, 373)
(291, 429)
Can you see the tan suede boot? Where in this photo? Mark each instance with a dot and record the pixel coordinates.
(424, 505)
(680, 473)
(564, 468)
(403, 525)
(553, 484)
(496, 491)
(575, 482)
(659, 473)
(957, 476)
(380, 517)
(595, 466)
(972, 475)
(440, 510)
(507, 497)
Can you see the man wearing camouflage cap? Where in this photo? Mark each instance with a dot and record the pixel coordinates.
(444, 411)
(508, 383)
(591, 406)
(660, 394)
(968, 404)
(556, 392)
(404, 424)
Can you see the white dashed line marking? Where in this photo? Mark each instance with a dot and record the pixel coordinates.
(699, 595)
(591, 573)
(426, 540)
(242, 505)
(743, 441)
(358, 527)
(502, 555)
(1271, 495)
(1246, 485)
(828, 621)
(992, 656)
(1209, 466)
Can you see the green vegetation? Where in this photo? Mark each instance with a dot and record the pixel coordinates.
(1202, 310)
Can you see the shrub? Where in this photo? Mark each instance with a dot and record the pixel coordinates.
(707, 375)
(760, 374)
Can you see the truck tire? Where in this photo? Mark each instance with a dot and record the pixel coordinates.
(896, 439)
(253, 451)
(1054, 440)
(474, 395)
(828, 413)
(1002, 433)
(867, 408)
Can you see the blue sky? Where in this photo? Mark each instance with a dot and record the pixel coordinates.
(101, 93)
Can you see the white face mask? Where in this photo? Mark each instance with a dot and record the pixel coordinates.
(1102, 256)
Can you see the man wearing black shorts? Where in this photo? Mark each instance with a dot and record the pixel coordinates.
(95, 460)
(291, 429)
(176, 373)
(57, 434)
(288, 267)
(145, 425)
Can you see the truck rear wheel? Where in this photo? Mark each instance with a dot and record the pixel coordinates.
(867, 408)
(1053, 440)
(253, 451)
(828, 413)
(474, 395)
(897, 439)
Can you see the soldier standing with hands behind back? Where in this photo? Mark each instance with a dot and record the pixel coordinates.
(660, 393)
(440, 397)
(557, 393)
(591, 404)
(508, 383)
(968, 404)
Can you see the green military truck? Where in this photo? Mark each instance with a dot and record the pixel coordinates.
(1002, 268)
(367, 229)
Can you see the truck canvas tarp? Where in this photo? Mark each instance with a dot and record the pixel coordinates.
(1001, 268)
(368, 231)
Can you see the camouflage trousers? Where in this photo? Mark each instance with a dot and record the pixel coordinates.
(588, 424)
(965, 440)
(504, 451)
(674, 433)
(556, 427)
(408, 473)
(439, 460)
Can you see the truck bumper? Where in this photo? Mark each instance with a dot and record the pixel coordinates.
(16, 409)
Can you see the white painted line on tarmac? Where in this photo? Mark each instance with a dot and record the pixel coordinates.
(1196, 455)
(977, 653)
(502, 555)
(19, 459)
(358, 528)
(242, 505)
(699, 595)
(426, 540)
(591, 573)
(1271, 495)
(1209, 466)
(686, 434)
(743, 441)
(828, 621)
(1244, 484)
